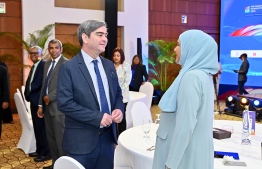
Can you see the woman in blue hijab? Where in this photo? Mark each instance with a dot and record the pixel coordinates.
(185, 135)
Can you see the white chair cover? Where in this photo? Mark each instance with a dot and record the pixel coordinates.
(27, 140)
(140, 111)
(66, 162)
(122, 168)
(27, 104)
(148, 89)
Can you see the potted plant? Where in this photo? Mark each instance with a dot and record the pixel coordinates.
(162, 67)
(39, 38)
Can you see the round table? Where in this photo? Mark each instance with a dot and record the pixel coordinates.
(132, 147)
(134, 97)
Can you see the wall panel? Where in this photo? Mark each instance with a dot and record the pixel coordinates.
(160, 18)
(85, 4)
(13, 8)
(160, 5)
(184, 6)
(6, 43)
(166, 24)
(201, 14)
(11, 22)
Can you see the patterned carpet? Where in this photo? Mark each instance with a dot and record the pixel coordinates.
(11, 157)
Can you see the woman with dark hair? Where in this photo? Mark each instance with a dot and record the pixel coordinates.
(124, 77)
(139, 74)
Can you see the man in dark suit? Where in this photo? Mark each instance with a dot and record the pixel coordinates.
(54, 119)
(242, 74)
(32, 95)
(7, 115)
(89, 95)
(4, 93)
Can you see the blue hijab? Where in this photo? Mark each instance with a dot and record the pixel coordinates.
(198, 52)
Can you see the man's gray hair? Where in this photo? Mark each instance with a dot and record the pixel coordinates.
(88, 27)
(39, 49)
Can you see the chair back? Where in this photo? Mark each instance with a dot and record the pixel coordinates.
(27, 140)
(66, 162)
(25, 103)
(140, 111)
(148, 89)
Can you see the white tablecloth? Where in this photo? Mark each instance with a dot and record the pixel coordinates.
(134, 97)
(131, 150)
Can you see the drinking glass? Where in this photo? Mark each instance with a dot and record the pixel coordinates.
(146, 127)
(157, 121)
(246, 146)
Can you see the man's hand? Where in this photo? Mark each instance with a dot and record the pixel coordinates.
(40, 112)
(46, 100)
(106, 120)
(117, 115)
(5, 105)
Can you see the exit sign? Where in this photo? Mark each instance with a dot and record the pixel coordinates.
(2, 7)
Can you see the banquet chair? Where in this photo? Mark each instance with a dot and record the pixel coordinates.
(140, 111)
(66, 162)
(148, 89)
(27, 104)
(27, 140)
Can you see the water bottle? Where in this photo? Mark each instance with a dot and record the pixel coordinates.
(246, 133)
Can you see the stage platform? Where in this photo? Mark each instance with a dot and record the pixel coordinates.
(252, 96)
(238, 109)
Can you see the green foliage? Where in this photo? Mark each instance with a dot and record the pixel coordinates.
(70, 50)
(161, 54)
(11, 58)
(39, 38)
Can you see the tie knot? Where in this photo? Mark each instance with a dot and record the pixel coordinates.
(53, 62)
(95, 62)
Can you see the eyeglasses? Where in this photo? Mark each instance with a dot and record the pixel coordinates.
(33, 53)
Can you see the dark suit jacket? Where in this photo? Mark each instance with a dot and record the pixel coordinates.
(139, 77)
(242, 74)
(52, 88)
(36, 84)
(76, 98)
(4, 85)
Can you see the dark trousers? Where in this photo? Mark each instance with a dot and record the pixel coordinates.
(1, 118)
(122, 125)
(132, 89)
(42, 147)
(241, 89)
(7, 115)
(102, 157)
